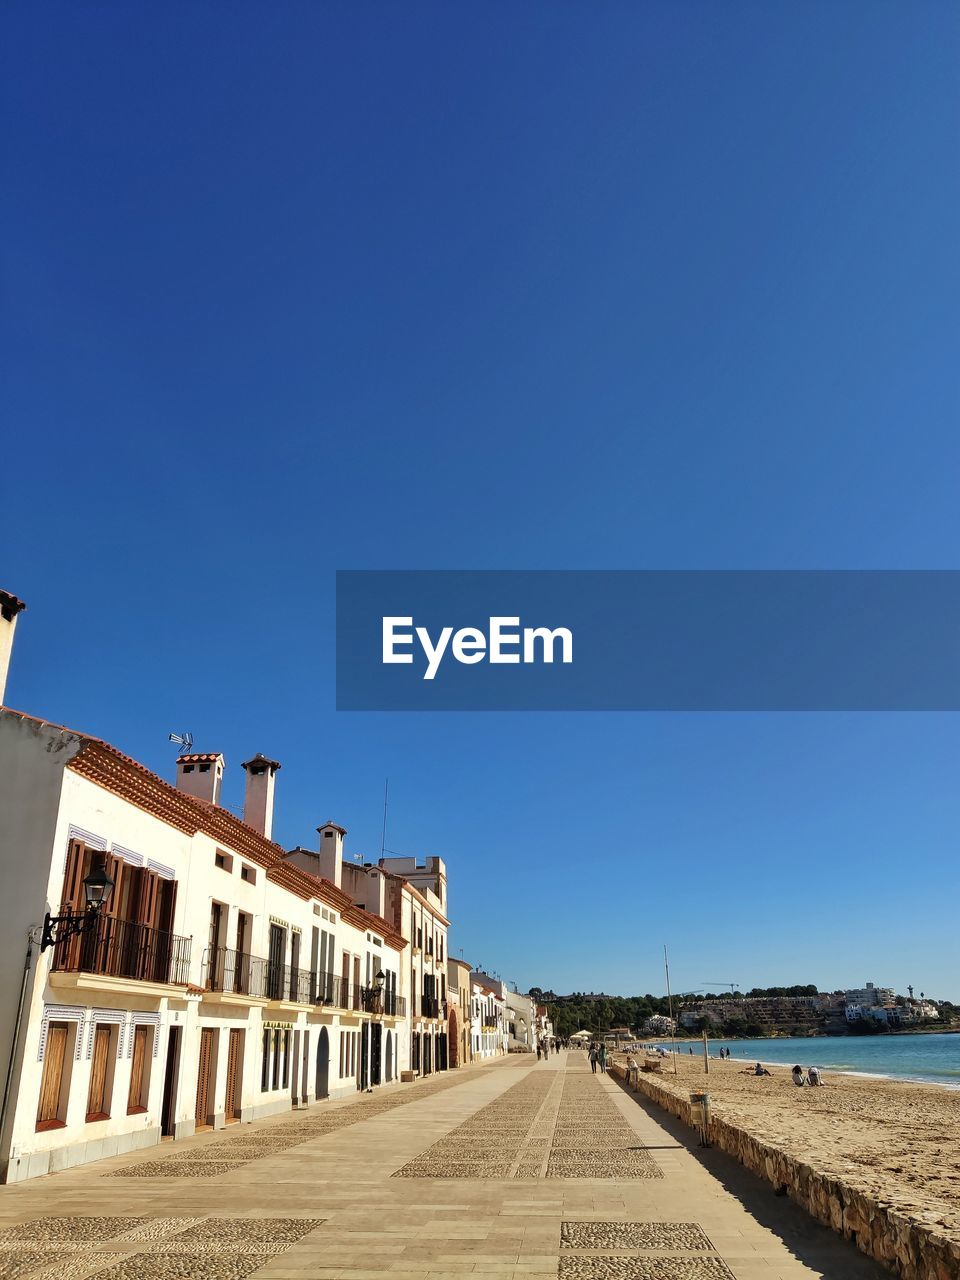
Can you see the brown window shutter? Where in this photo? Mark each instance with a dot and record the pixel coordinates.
(96, 1097)
(135, 1099)
(149, 899)
(48, 1113)
(66, 954)
(78, 863)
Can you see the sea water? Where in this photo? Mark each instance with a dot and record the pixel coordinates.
(934, 1059)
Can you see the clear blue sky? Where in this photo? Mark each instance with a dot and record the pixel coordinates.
(305, 286)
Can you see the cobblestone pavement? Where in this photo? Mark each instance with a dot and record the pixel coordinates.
(516, 1168)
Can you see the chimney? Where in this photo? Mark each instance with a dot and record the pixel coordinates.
(258, 797)
(201, 774)
(331, 852)
(10, 607)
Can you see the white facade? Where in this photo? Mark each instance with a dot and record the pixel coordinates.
(221, 984)
(487, 1032)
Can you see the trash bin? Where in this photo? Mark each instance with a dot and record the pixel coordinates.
(700, 1116)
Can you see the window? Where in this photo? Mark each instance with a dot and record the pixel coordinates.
(286, 1059)
(277, 955)
(101, 1074)
(248, 874)
(265, 1064)
(275, 1078)
(139, 1070)
(55, 1083)
(223, 860)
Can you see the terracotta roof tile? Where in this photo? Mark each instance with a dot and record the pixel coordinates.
(109, 768)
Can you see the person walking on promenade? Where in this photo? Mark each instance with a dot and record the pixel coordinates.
(602, 1058)
(593, 1058)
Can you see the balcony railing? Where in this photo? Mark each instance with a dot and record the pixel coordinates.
(235, 972)
(126, 949)
(242, 974)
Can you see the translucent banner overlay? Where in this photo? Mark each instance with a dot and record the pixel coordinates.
(585, 640)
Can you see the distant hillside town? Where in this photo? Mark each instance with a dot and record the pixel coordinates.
(762, 1011)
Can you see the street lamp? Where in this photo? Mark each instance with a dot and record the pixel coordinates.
(97, 888)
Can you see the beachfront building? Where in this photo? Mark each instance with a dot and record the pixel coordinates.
(870, 997)
(412, 894)
(544, 1023)
(219, 982)
(460, 1042)
(658, 1024)
(487, 1031)
(520, 1020)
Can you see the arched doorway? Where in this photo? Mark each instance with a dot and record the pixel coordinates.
(453, 1037)
(388, 1058)
(323, 1064)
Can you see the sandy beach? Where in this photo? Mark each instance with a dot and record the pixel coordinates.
(897, 1141)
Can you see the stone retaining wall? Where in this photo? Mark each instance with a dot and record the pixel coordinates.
(911, 1249)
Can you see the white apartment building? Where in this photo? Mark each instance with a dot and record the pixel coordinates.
(412, 894)
(219, 983)
(521, 1019)
(488, 1037)
(870, 997)
(658, 1024)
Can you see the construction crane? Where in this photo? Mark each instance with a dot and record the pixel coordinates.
(734, 986)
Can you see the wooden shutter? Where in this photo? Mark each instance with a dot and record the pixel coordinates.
(135, 1098)
(97, 1095)
(233, 1073)
(67, 953)
(48, 1113)
(111, 954)
(72, 898)
(203, 1077)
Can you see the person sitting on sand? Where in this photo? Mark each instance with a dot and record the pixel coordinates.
(758, 1070)
(813, 1076)
(797, 1076)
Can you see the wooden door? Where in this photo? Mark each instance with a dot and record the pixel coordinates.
(54, 1057)
(234, 1052)
(136, 1097)
(202, 1111)
(97, 1102)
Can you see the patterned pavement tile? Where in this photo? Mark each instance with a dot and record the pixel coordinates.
(621, 1236)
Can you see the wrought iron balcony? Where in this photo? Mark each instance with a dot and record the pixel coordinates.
(235, 972)
(125, 949)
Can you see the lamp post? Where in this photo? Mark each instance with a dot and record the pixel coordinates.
(97, 888)
(376, 1007)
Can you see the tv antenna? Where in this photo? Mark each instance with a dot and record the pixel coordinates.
(183, 740)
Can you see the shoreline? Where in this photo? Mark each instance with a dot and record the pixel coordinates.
(852, 1072)
(874, 1157)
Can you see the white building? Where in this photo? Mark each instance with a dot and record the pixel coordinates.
(412, 894)
(658, 1024)
(871, 997)
(220, 982)
(487, 1022)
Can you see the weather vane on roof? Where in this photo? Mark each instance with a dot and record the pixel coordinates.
(183, 740)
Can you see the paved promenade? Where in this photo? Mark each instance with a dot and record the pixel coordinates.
(516, 1168)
